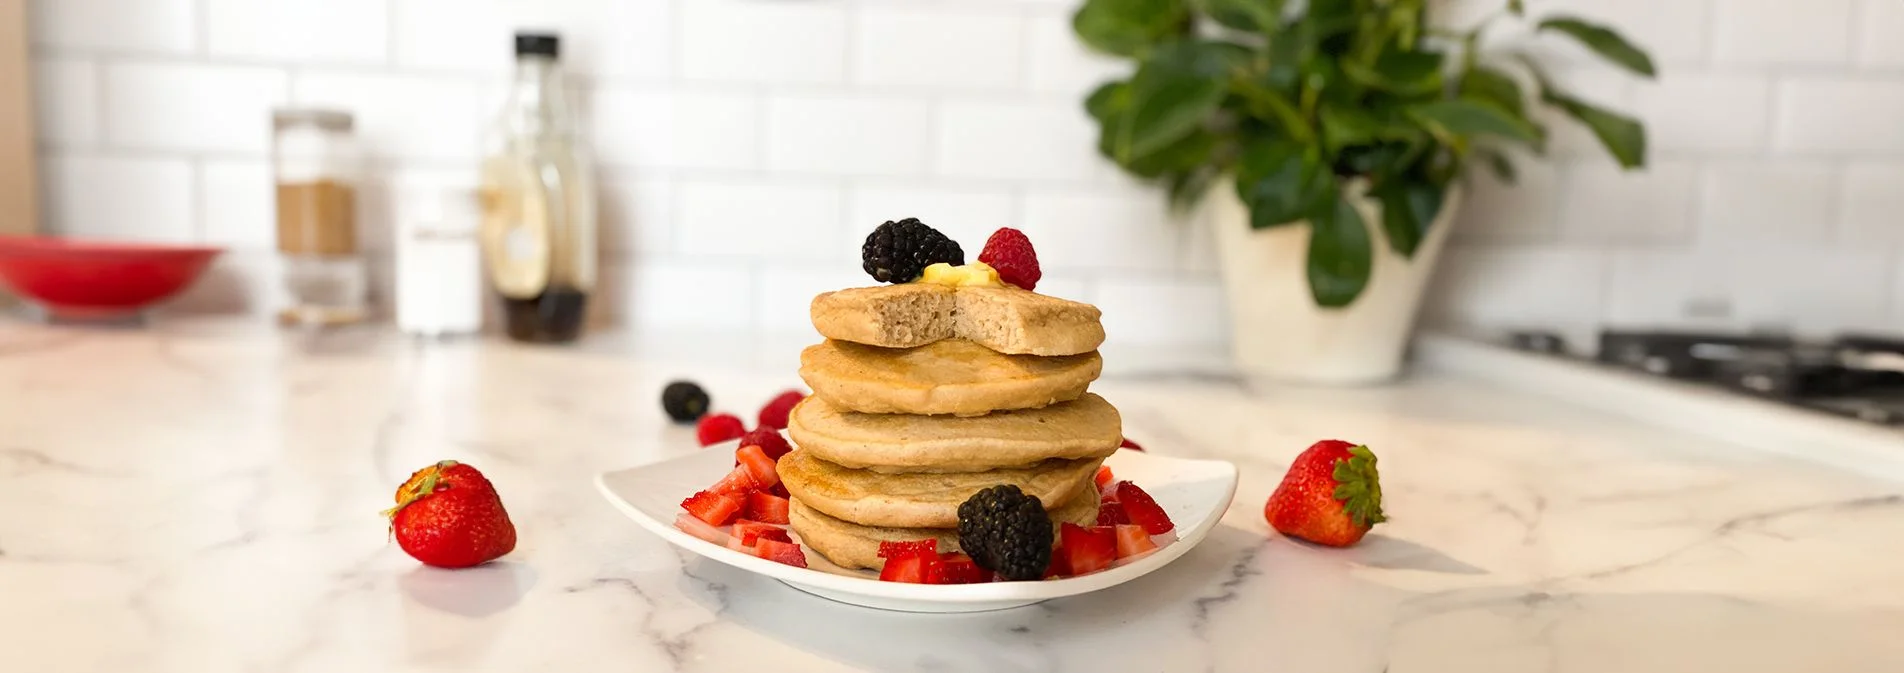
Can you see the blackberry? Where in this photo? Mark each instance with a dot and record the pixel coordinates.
(1006, 532)
(898, 252)
(684, 401)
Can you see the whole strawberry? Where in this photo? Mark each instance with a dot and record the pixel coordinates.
(1331, 495)
(449, 516)
(1010, 252)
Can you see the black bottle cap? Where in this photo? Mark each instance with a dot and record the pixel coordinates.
(540, 44)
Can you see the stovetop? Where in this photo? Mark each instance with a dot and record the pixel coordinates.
(1857, 376)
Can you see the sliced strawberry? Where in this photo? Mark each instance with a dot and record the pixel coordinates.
(780, 490)
(735, 543)
(1104, 477)
(890, 549)
(911, 568)
(1087, 549)
(759, 465)
(1132, 540)
(741, 480)
(1111, 513)
(748, 531)
(780, 552)
(769, 440)
(1060, 564)
(767, 508)
(1142, 510)
(1128, 444)
(957, 569)
(714, 508)
(693, 525)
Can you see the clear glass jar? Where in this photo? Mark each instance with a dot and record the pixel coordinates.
(318, 165)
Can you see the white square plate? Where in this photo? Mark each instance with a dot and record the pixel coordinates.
(1194, 492)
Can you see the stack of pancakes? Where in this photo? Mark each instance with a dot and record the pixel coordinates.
(925, 394)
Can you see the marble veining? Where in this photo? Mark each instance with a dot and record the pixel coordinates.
(203, 496)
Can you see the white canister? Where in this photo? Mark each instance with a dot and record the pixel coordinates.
(439, 284)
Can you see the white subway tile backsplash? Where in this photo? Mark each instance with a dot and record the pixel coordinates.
(685, 295)
(1110, 230)
(1526, 210)
(1052, 141)
(1706, 111)
(139, 26)
(942, 46)
(637, 214)
(778, 221)
(851, 135)
(66, 101)
(968, 215)
(205, 108)
(1517, 286)
(236, 199)
(785, 294)
(1873, 207)
(675, 129)
(119, 198)
(1880, 22)
(1146, 311)
(401, 116)
(299, 31)
(1810, 289)
(1767, 201)
(610, 39)
(1602, 203)
(1843, 115)
(1057, 63)
(1780, 32)
(763, 42)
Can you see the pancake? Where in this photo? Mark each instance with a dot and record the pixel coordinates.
(921, 500)
(850, 545)
(1087, 427)
(1004, 319)
(953, 376)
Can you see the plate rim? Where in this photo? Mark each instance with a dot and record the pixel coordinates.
(990, 592)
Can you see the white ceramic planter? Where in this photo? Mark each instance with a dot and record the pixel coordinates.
(1279, 333)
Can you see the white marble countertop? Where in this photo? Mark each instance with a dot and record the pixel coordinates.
(203, 497)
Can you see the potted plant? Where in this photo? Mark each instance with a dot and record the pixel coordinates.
(1323, 143)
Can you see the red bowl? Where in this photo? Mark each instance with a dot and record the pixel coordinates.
(93, 279)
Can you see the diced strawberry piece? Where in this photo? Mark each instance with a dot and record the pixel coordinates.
(759, 465)
(1132, 540)
(741, 480)
(911, 568)
(1104, 477)
(958, 569)
(1128, 444)
(735, 543)
(714, 508)
(1111, 513)
(890, 549)
(749, 531)
(1088, 549)
(780, 552)
(1142, 510)
(1060, 564)
(780, 490)
(693, 525)
(767, 508)
(769, 440)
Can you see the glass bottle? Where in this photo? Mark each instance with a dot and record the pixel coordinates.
(315, 161)
(538, 200)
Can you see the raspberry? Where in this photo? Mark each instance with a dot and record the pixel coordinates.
(1010, 252)
(719, 428)
(774, 414)
(769, 440)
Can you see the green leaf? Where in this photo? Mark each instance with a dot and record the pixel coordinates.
(1499, 163)
(1252, 15)
(1187, 153)
(1340, 254)
(1129, 27)
(1623, 137)
(1343, 126)
(1280, 182)
(1494, 86)
(1108, 100)
(1408, 73)
(1173, 94)
(1517, 7)
(1409, 206)
(1469, 118)
(1603, 41)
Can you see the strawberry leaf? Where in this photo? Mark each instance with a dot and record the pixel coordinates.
(1359, 487)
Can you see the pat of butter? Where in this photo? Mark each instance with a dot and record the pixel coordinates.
(975, 273)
